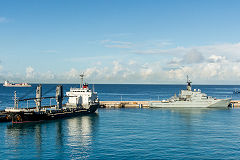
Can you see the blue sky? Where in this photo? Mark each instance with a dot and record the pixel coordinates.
(125, 41)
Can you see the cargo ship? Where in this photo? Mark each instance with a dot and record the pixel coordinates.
(81, 101)
(8, 84)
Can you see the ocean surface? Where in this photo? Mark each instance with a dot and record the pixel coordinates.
(126, 133)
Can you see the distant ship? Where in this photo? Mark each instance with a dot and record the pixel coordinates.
(8, 84)
(189, 98)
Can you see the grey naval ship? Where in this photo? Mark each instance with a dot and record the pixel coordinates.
(190, 99)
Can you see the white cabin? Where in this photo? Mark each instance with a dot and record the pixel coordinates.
(81, 97)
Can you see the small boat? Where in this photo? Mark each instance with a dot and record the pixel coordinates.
(188, 98)
(8, 84)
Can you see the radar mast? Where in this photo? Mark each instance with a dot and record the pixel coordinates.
(189, 87)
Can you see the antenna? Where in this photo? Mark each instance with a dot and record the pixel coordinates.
(188, 80)
(81, 76)
(189, 88)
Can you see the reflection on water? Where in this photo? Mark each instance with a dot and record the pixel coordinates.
(79, 137)
(190, 111)
(193, 115)
(52, 138)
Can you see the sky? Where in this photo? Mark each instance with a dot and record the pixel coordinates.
(120, 41)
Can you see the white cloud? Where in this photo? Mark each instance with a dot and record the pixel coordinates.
(204, 64)
(72, 74)
(117, 67)
(215, 58)
(229, 49)
(36, 77)
(48, 75)
(146, 72)
(131, 62)
(192, 56)
(30, 73)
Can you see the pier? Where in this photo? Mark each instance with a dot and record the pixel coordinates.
(125, 104)
(142, 104)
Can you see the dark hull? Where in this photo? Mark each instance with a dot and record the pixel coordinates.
(23, 117)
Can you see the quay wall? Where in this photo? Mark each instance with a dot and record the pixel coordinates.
(125, 104)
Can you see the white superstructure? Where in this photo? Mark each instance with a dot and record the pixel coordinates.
(82, 97)
(189, 98)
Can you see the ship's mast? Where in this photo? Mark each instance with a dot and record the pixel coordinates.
(189, 87)
(38, 97)
(15, 100)
(81, 76)
(59, 96)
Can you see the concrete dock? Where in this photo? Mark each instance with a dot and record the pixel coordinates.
(125, 104)
(142, 104)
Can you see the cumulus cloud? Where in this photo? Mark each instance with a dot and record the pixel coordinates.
(146, 72)
(230, 49)
(48, 75)
(215, 58)
(117, 67)
(219, 69)
(36, 77)
(30, 73)
(73, 74)
(204, 64)
(192, 56)
(132, 62)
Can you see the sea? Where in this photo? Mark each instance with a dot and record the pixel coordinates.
(125, 133)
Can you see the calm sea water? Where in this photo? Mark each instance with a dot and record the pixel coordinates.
(126, 133)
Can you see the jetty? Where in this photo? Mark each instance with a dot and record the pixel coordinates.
(124, 104)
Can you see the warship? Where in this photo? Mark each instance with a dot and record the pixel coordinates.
(188, 98)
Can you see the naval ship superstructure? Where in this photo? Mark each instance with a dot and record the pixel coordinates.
(188, 98)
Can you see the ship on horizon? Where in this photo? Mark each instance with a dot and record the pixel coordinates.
(8, 84)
